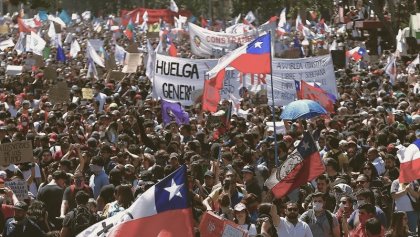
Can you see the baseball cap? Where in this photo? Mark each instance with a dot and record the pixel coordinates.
(240, 207)
(209, 173)
(248, 169)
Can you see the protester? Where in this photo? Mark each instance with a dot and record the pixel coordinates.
(108, 135)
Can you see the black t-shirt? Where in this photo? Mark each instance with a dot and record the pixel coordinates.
(107, 193)
(70, 195)
(52, 196)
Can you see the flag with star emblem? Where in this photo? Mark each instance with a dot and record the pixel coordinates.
(163, 210)
(304, 164)
(254, 58)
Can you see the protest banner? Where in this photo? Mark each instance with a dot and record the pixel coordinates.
(87, 93)
(132, 61)
(206, 43)
(15, 152)
(19, 187)
(59, 92)
(176, 78)
(214, 225)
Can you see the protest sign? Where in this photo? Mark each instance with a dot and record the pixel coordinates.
(214, 225)
(206, 43)
(4, 29)
(16, 152)
(115, 75)
(50, 73)
(175, 78)
(232, 230)
(13, 70)
(59, 92)
(133, 60)
(19, 187)
(87, 93)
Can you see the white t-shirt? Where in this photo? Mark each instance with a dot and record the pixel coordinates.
(402, 203)
(26, 174)
(285, 228)
(252, 229)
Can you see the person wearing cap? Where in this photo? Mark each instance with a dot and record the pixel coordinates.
(20, 225)
(321, 221)
(251, 183)
(242, 218)
(209, 182)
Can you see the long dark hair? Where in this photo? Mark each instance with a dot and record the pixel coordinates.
(127, 195)
(247, 219)
(397, 228)
(374, 174)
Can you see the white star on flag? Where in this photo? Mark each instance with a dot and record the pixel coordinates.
(305, 145)
(258, 44)
(174, 190)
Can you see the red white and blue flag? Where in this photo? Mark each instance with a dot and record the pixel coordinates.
(253, 58)
(356, 53)
(410, 163)
(163, 210)
(301, 166)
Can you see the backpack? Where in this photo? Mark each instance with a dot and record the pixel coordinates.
(311, 213)
(81, 219)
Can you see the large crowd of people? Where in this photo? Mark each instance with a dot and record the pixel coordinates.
(93, 157)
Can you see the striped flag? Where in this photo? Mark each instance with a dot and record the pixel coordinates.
(410, 163)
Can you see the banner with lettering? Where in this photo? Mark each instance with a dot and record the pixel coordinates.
(206, 43)
(176, 78)
(318, 70)
(15, 153)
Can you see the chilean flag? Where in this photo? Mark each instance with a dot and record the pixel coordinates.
(163, 210)
(356, 53)
(316, 94)
(410, 163)
(254, 58)
(302, 165)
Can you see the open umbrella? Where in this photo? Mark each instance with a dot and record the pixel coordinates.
(302, 109)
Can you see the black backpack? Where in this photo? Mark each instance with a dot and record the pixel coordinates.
(81, 219)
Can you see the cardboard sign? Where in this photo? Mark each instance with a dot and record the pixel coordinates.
(133, 60)
(4, 29)
(87, 93)
(231, 230)
(14, 70)
(115, 75)
(214, 225)
(50, 73)
(15, 153)
(19, 187)
(59, 93)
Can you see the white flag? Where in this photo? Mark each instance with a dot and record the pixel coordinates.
(173, 7)
(74, 49)
(57, 20)
(37, 44)
(151, 57)
(238, 18)
(86, 15)
(145, 16)
(94, 56)
(6, 44)
(119, 54)
(69, 38)
(137, 18)
(333, 45)
(282, 21)
(20, 44)
(250, 17)
(51, 31)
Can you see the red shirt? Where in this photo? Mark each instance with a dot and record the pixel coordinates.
(7, 211)
(360, 231)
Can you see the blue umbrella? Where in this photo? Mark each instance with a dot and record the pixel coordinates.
(302, 109)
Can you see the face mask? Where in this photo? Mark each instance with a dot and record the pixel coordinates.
(317, 206)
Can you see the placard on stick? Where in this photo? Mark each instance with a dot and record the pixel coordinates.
(133, 61)
(16, 152)
(87, 93)
(19, 187)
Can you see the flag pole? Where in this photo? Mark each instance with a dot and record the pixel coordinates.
(276, 158)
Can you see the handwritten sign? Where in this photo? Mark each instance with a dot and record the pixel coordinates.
(132, 62)
(87, 93)
(16, 152)
(19, 187)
